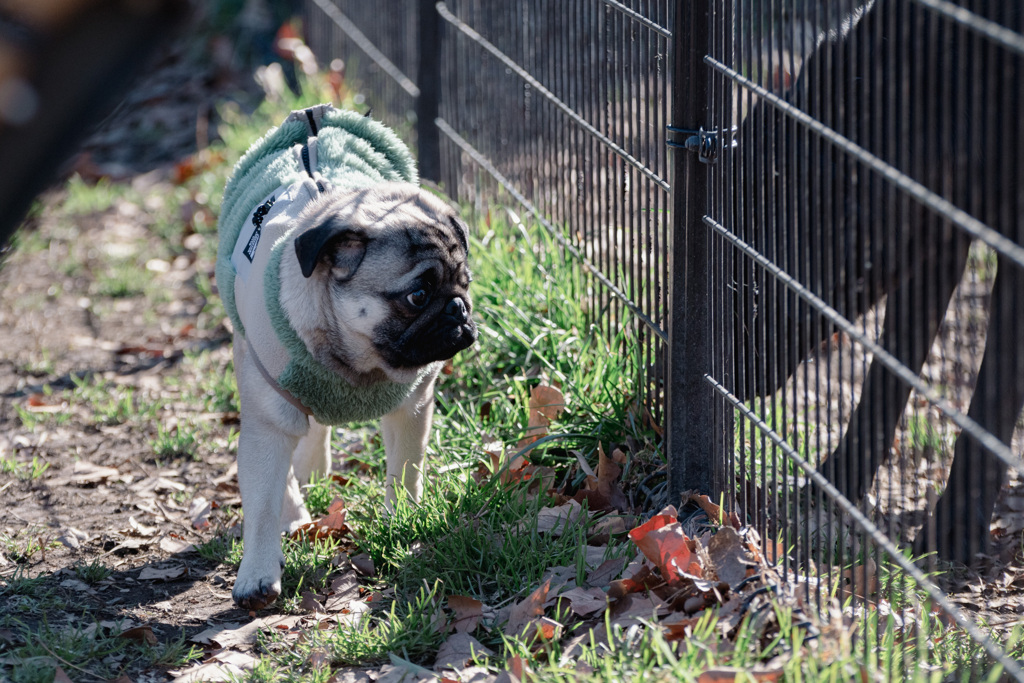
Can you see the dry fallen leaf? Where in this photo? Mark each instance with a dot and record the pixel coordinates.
(459, 650)
(729, 556)
(199, 512)
(85, 473)
(140, 634)
(331, 525)
(363, 564)
(530, 608)
(606, 572)
(241, 636)
(310, 603)
(468, 612)
(585, 601)
(662, 541)
(603, 492)
(860, 580)
(161, 573)
(679, 628)
(172, 545)
(60, 677)
(546, 404)
(344, 589)
(555, 520)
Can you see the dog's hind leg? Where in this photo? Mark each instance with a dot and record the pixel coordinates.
(960, 524)
(406, 430)
(914, 311)
(313, 454)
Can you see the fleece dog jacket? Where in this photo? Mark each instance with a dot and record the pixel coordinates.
(313, 151)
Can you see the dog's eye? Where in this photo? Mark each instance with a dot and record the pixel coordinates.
(418, 298)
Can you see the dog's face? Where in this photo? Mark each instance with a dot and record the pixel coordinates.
(380, 282)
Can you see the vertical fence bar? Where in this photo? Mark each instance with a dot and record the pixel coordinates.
(428, 78)
(692, 461)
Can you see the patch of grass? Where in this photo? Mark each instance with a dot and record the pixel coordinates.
(407, 628)
(179, 441)
(93, 651)
(84, 198)
(925, 439)
(222, 549)
(479, 540)
(307, 566)
(19, 583)
(122, 280)
(24, 545)
(40, 366)
(215, 388)
(30, 471)
(112, 404)
(94, 572)
(32, 420)
(320, 493)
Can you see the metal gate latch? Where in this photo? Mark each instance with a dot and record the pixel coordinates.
(704, 142)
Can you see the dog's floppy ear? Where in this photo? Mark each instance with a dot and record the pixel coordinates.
(338, 245)
(462, 232)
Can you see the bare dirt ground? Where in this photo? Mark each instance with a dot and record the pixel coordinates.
(96, 319)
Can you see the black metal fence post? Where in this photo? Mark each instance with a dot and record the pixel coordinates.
(428, 78)
(690, 445)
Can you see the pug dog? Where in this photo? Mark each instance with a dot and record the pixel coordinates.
(352, 300)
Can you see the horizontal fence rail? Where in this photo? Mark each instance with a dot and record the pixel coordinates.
(824, 279)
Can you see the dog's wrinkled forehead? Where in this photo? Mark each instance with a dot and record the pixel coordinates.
(396, 213)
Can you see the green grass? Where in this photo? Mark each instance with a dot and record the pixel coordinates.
(123, 279)
(181, 440)
(84, 198)
(27, 471)
(214, 387)
(320, 493)
(94, 572)
(112, 404)
(222, 549)
(93, 651)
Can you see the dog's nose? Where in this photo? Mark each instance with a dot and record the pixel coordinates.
(456, 309)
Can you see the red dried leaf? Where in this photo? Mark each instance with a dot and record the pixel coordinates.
(518, 667)
(468, 613)
(678, 630)
(662, 541)
(331, 525)
(528, 609)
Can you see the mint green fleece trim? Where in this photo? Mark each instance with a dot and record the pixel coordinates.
(353, 151)
(332, 398)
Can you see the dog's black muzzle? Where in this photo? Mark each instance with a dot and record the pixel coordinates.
(451, 330)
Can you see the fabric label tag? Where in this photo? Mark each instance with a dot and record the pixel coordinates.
(250, 248)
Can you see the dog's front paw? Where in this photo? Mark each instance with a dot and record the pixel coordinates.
(257, 587)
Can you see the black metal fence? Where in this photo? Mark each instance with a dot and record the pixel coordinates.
(865, 219)
(827, 294)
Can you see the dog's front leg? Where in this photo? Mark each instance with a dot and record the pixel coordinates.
(406, 430)
(270, 430)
